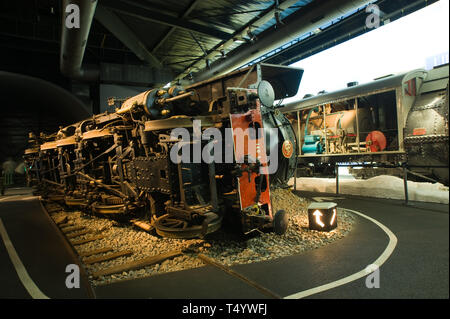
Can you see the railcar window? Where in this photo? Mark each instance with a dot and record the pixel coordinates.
(378, 112)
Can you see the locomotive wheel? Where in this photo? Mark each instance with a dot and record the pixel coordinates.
(172, 223)
(72, 201)
(280, 222)
(108, 209)
(55, 198)
(112, 200)
(110, 205)
(175, 228)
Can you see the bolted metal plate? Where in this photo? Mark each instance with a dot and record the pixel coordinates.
(150, 173)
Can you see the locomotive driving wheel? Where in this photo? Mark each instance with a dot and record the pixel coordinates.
(170, 227)
(172, 223)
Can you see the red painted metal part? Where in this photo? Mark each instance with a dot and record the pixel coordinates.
(255, 148)
(410, 88)
(377, 141)
(287, 149)
(419, 131)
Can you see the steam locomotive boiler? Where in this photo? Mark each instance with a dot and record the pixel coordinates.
(186, 157)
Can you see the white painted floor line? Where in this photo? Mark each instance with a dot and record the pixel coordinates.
(26, 280)
(380, 261)
(8, 197)
(14, 197)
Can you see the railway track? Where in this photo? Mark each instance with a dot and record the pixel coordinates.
(231, 272)
(73, 234)
(133, 251)
(78, 236)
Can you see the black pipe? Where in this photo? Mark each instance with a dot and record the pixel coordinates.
(305, 20)
(74, 39)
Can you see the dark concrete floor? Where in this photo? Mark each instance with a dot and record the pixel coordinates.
(419, 265)
(417, 268)
(41, 248)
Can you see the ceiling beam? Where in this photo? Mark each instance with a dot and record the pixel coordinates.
(122, 32)
(352, 27)
(308, 19)
(255, 23)
(172, 29)
(156, 17)
(198, 43)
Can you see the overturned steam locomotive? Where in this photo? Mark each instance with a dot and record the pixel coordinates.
(186, 157)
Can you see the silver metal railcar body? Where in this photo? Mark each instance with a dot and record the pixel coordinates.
(394, 120)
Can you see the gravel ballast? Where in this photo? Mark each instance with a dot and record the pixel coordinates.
(222, 246)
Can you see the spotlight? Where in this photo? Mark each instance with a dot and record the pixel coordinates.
(322, 216)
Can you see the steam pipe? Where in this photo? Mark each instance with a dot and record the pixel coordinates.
(74, 40)
(304, 21)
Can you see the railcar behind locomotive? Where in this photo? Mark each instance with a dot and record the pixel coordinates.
(131, 162)
(397, 120)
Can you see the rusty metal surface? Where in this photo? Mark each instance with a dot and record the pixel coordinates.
(206, 121)
(31, 150)
(49, 145)
(172, 228)
(66, 141)
(96, 134)
(285, 81)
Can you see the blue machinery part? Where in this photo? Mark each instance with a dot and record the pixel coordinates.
(312, 144)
